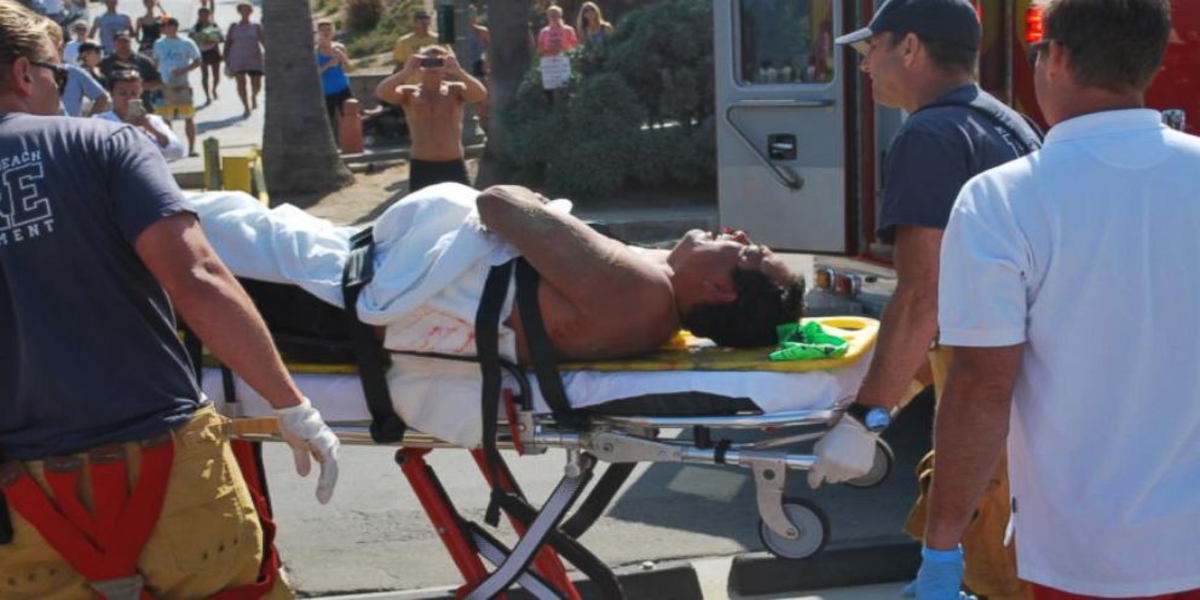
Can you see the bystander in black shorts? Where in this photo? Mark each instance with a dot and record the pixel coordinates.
(424, 173)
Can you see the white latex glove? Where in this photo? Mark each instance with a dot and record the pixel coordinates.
(309, 436)
(846, 452)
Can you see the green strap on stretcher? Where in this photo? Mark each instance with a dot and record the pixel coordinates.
(808, 341)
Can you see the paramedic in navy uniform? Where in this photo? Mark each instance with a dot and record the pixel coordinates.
(97, 249)
(921, 57)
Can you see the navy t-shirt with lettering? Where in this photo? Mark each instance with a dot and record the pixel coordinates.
(88, 350)
(941, 147)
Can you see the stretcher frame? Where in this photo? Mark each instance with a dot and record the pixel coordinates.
(790, 528)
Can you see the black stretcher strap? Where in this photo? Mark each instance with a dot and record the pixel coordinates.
(574, 552)
(540, 349)
(386, 425)
(598, 499)
(527, 548)
(543, 524)
(487, 342)
(495, 552)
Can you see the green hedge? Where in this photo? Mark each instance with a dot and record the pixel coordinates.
(637, 110)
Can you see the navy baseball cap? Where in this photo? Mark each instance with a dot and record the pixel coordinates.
(953, 21)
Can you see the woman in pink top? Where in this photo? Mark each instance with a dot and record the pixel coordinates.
(557, 37)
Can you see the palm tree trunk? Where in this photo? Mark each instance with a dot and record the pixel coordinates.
(298, 150)
(508, 56)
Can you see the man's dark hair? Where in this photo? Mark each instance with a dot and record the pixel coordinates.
(170, 22)
(124, 73)
(947, 56)
(1116, 45)
(749, 321)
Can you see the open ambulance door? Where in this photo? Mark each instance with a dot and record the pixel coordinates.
(783, 94)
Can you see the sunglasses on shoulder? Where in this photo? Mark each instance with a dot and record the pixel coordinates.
(61, 74)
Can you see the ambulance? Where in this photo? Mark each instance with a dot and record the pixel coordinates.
(801, 144)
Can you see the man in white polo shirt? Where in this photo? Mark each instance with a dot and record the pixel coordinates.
(1070, 289)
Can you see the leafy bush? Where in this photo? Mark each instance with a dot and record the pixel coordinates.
(395, 20)
(363, 15)
(637, 110)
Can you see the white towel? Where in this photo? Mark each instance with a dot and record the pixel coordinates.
(432, 259)
(280, 245)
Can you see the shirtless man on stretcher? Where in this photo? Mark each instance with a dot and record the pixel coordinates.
(600, 299)
(603, 299)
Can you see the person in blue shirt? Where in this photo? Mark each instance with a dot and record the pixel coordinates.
(98, 250)
(80, 85)
(333, 64)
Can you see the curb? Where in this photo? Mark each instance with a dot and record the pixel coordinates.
(666, 581)
(864, 562)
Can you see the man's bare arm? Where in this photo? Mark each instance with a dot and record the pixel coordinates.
(214, 305)
(391, 89)
(970, 433)
(585, 266)
(472, 89)
(910, 321)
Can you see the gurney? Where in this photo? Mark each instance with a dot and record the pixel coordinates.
(695, 392)
(673, 406)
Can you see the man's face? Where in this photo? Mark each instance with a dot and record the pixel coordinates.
(434, 73)
(44, 97)
(421, 23)
(325, 31)
(245, 10)
(111, 4)
(123, 92)
(716, 256)
(170, 30)
(124, 47)
(884, 63)
(80, 32)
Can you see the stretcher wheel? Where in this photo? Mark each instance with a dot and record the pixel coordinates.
(880, 469)
(809, 520)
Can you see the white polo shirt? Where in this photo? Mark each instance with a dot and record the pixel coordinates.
(1088, 251)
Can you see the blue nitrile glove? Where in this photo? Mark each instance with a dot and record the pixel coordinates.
(940, 577)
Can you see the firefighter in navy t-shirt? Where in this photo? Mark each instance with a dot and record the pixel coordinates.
(97, 249)
(921, 57)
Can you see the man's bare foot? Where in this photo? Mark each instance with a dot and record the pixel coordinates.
(246, 115)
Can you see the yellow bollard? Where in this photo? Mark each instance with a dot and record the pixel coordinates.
(235, 173)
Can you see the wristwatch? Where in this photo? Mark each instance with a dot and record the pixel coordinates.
(874, 418)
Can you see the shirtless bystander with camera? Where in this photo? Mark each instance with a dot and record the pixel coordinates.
(434, 111)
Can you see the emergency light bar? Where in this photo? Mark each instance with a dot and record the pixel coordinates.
(1034, 27)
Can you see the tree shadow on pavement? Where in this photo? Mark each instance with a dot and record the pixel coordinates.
(207, 126)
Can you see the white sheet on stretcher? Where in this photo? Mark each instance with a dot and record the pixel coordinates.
(450, 410)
